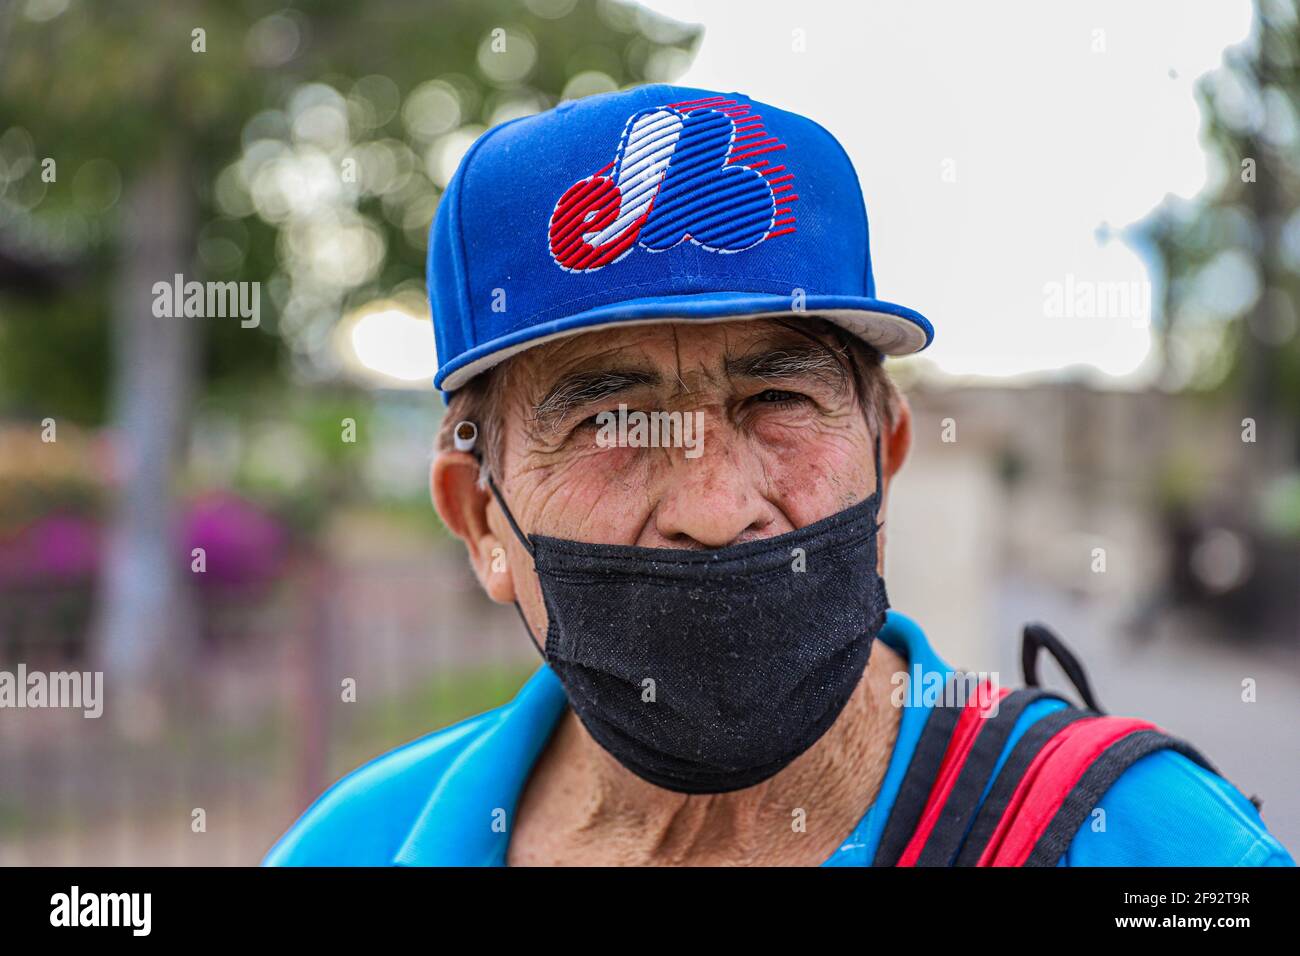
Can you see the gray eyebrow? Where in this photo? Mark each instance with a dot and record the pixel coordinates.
(584, 388)
(791, 362)
(581, 388)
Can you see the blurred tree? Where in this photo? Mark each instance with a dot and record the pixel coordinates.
(301, 147)
(1232, 332)
(1232, 255)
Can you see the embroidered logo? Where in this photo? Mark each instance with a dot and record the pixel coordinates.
(697, 170)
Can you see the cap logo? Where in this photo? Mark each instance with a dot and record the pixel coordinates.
(696, 170)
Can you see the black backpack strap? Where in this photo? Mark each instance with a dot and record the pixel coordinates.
(1036, 637)
(917, 782)
(946, 839)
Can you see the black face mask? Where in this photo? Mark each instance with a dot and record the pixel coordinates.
(710, 671)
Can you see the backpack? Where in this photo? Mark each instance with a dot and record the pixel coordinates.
(1050, 782)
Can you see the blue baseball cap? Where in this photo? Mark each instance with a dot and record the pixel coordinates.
(655, 204)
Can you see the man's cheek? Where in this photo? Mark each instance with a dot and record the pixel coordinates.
(597, 499)
(589, 456)
(810, 481)
(815, 445)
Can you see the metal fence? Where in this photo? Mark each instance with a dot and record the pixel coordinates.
(259, 721)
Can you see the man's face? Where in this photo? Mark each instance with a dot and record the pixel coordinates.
(785, 441)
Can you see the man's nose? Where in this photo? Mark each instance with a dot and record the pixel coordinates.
(711, 501)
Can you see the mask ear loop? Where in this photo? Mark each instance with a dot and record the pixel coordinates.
(876, 455)
(879, 495)
(880, 482)
(514, 526)
(466, 438)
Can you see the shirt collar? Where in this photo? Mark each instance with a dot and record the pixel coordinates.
(470, 812)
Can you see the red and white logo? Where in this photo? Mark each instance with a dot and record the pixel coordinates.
(700, 171)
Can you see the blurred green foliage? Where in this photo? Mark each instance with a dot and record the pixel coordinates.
(1232, 255)
(101, 88)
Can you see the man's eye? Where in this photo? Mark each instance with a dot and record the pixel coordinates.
(776, 396)
(597, 420)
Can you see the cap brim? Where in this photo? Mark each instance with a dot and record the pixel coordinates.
(892, 329)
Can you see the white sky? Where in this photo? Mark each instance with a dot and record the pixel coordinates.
(1050, 142)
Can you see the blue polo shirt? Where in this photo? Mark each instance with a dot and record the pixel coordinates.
(449, 798)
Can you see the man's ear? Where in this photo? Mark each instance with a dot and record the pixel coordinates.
(463, 506)
(895, 446)
(898, 440)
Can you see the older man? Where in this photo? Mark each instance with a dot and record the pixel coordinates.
(669, 442)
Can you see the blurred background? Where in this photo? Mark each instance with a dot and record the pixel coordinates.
(1097, 204)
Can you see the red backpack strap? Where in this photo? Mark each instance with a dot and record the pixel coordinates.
(1066, 781)
(971, 721)
(939, 847)
(950, 768)
(1023, 754)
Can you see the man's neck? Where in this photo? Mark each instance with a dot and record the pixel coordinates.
(581, 807)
